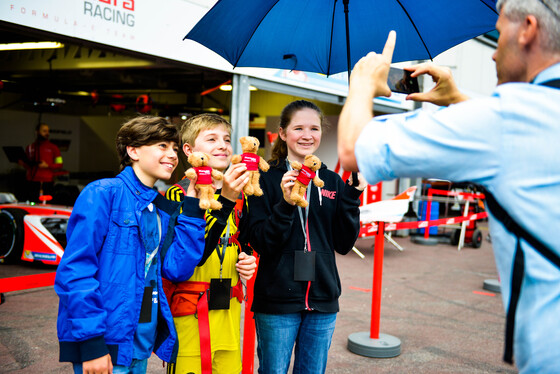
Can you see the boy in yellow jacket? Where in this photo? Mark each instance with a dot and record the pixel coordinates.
(207, 307)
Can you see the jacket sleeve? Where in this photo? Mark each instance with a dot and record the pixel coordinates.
(270, 218)
(244, 229)
(216, 222)
(186, 250)
(30, 163)
(347, 222)
(76, 283)
(57, 159)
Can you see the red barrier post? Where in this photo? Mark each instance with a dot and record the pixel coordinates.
(373, 343)
(377, 276)
(248, 355)
(428, 214)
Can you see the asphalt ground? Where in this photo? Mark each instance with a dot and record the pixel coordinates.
(432, 300)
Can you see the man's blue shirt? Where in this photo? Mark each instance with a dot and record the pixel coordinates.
(509, 143)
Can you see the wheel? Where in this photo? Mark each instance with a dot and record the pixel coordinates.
(11, 234)
(476, 238)
(455, 237)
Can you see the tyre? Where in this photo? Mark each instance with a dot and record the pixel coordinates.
(455, 235)
(11, 234)
(476, 238)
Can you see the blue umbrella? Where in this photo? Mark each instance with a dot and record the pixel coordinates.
(329, 36)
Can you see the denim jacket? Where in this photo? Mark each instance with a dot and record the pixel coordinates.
(100, 279)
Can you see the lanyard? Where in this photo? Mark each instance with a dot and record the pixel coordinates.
(304, 224)
(224, 241)
(150, 256)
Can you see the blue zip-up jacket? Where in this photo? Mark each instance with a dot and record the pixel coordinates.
(100, 279)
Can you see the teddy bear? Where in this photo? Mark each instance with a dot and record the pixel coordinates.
(249, 146)
(204, 174)
(311, 164)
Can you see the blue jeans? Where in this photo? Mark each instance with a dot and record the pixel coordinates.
(311, 332)
(137, 367)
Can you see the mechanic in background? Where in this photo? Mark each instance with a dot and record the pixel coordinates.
(43, 161)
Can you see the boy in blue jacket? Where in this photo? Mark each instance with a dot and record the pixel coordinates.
(122, 237)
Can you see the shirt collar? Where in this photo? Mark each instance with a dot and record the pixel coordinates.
(552, 72)
(139, 189)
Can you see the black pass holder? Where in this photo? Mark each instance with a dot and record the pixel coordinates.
(304, 266)
(146, 308)
(219, 293)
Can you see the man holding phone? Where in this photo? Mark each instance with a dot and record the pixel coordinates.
(507, 143)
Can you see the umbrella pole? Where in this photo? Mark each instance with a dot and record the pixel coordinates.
(349, 65)
(348, 59)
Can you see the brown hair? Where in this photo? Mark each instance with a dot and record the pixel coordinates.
(280, 149)
(205, 121)
(143, 130)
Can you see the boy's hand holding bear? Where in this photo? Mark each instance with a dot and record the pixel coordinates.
(204, 174)
(250, 146)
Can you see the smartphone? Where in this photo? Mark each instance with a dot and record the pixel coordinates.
(399, 80)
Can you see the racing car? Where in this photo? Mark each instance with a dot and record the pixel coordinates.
(32, 232)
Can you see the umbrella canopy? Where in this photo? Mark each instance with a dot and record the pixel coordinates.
(310, 35)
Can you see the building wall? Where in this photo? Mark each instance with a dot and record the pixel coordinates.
(97, 140)
(472, 66)
(87, 145)
(17, 128)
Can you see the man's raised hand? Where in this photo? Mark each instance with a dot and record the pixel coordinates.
(371, 71)
(444, 93)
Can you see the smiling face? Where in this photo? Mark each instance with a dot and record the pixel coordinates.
(217, 143)
(153, 162)
(303, 134)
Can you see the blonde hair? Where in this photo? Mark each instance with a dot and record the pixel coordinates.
(192, 127)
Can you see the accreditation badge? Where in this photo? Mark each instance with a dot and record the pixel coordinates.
(304, 266)
(219, 293)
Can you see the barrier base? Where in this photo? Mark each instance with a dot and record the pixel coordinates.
(492, 285)
(418, 239)
(384, 347)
